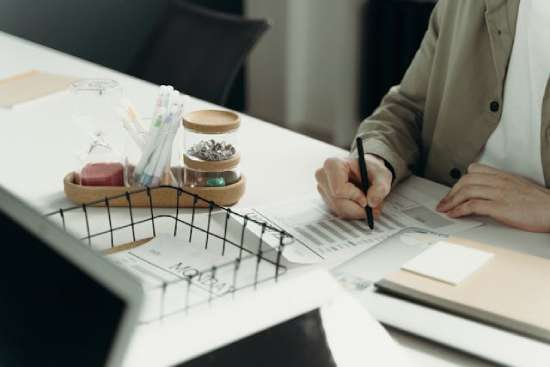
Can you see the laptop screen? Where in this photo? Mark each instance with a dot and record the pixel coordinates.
(51, 312)
(299, 342)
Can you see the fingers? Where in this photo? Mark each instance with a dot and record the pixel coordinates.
(380, 179)
(346, 199)
(481, 182)
(470, 179)
(378, 191)
(335, 176)
(347, 209)
(341, 207)
(466, 193)
(480, 192)
(476, 207)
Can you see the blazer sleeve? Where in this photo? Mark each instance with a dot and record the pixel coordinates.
(393, 131)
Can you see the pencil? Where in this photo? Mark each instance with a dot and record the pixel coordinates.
(364, 180)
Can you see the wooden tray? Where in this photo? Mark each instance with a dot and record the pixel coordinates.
(162, 197)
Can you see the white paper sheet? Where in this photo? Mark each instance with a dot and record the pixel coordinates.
(169, 259)
(323, 237)
(448, 262)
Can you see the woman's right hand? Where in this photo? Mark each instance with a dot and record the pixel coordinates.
(339, 182)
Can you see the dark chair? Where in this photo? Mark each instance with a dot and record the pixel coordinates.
(198, 51)
(106, 32)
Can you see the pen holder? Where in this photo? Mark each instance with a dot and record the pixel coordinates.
(132, 155)
(211, 159)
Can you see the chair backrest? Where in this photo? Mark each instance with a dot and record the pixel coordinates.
(106, 32)
(198, 51)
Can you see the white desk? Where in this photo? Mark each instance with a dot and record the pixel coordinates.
(38, 145)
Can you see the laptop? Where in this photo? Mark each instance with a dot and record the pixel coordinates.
(61, 303)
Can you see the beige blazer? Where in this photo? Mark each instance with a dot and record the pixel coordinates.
(436, 122)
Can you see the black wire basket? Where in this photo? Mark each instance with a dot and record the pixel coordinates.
(244, 258)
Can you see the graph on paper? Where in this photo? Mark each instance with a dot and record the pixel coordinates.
(322, 236)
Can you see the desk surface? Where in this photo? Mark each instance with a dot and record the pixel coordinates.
(38, 145)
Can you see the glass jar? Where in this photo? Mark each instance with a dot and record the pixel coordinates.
(211, 153)
(94, 103)
(101, 165)
(132, 156)
(197, 175)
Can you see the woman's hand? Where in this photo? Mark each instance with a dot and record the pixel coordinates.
(510, 199)
(339, 180)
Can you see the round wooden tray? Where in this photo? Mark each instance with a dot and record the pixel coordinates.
(162, 197)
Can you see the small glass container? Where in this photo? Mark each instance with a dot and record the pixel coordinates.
(101, 165)
(132, 156)
(94, 103)
(211, 153)
(196, 175)
(211, 135)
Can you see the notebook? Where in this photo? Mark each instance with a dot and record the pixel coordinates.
(508, 289)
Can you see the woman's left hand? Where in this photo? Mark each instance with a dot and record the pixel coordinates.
(510, 199)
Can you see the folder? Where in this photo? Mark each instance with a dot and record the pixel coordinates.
(30, 86)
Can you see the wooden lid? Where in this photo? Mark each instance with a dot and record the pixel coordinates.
(212, 121)
(212, 166)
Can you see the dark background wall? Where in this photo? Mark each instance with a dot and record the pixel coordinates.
(391, 30)
(107, 32)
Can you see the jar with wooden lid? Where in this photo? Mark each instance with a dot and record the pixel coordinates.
(211, 153)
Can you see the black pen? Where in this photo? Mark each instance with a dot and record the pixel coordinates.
(364, 180)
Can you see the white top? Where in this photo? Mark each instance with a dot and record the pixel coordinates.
(515, 145)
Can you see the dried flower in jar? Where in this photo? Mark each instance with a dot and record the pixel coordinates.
(211, 150)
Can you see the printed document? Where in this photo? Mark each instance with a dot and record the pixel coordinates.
(320, 236)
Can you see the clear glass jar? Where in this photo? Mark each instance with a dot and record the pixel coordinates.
(211, 135)
(211, 153)
(101, 165)
(132, 156)
(94, 103)
(197, 178)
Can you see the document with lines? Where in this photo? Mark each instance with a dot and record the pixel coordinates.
(168, 265)
(321, 236)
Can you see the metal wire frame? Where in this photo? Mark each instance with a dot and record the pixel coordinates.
(264, 254)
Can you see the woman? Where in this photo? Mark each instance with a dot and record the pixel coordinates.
(472, 112)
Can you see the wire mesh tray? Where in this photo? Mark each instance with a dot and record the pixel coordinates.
(239, 259)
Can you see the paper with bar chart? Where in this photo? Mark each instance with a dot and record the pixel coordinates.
(321, 236)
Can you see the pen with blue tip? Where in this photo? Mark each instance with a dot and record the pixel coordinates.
(364, 180)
